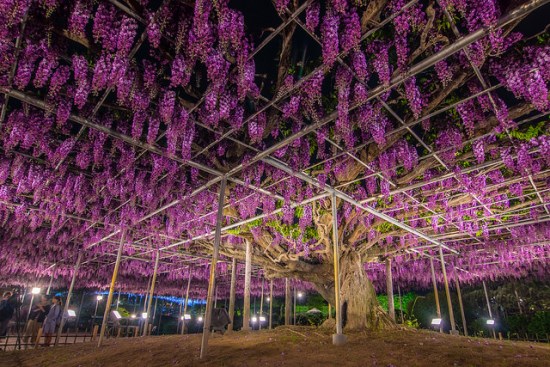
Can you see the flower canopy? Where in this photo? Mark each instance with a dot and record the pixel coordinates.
(427, 120)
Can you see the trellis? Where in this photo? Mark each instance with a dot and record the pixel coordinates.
(174, 257)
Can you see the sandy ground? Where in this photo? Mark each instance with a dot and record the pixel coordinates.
(297, 346)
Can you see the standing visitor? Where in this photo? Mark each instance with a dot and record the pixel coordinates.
(6, 312)
(36, 319)
(52, 320)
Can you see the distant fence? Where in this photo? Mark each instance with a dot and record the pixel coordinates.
(15, 342)
(20, 342)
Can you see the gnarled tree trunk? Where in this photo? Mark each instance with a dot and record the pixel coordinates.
(360, 307)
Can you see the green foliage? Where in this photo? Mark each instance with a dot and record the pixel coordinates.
(406, 300)
(123, 311)
(533, 131)
(385, 227)
(540, 323)
(310, 319)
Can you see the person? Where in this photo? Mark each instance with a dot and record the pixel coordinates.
(6, 312)
(52, 320)
(36, 319)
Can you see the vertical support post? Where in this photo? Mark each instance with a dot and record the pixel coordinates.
(488, 306)
(69, 295)
(261, 307)
(389, 289)
(294, 308)
(519, 302)
(182, 319)
(186, 302)
(118, 299)
(111, 290)
(79, 311)
(329, 311)
(151, 293)
(338, 338)
(401, 304)
(287, 302)
(462, 314)
(247, 275)
(447, 292)
(154, 311)
(436, 294)
(30, 309)
(216, 297)
(270, 304)
(51, 281)
(212, 279)
(232, 294)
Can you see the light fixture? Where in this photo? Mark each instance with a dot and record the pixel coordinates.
(35, 290)
(254, 320)
(268, 299)
(262, 318)
(490, 322)
(181, 318)
(187, 316)
(144, 315)
(117, 314)
(300, 294)
(199, 319)
(99, 297)
(71, 313)
(133, 316)
(436, 322)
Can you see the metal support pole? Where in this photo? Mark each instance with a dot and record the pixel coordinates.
(401, 304)
(288, 302)
(216, 297)
(30, 309)
(151, 292)
(212, 279)
(270, 304)
(261, 307)
(294, 308)
(232, 295)
(79, 311)
(111, 290)
(447, 292)
(462, 314)
(389, 289)
(247, 275)
(489, 307)
(185, 304)
(181, 317)
(519, 301)
(69, 295)
(338, 338)
(118, 299)
(436, 294)
(51, 281)
(155, 311)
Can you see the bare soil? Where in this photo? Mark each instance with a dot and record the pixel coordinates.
(296, 346)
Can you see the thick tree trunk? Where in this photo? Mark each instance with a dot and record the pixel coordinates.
(360, 307)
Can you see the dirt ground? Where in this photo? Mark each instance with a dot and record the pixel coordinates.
(296, 346)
